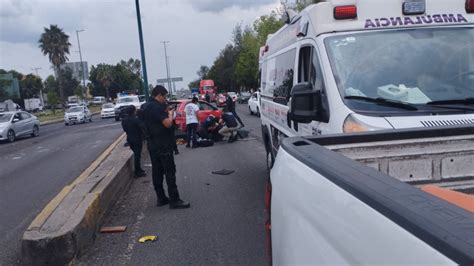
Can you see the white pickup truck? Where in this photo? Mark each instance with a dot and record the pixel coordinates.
(356, 199)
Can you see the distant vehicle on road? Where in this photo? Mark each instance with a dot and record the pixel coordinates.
(108, 110)
(244, 97)
(9, 105)
(254, 107)
(233, 95)
(220, 101)
(33, 104)
(207, 86)
(17, 124)
(205, 110)
(77, 114)
(99, 100)
(125, 101)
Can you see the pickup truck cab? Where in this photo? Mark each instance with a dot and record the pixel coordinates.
(364, 65)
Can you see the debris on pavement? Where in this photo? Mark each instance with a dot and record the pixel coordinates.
(223, 172)
(113, 229)
(180, 141)
(147, 238)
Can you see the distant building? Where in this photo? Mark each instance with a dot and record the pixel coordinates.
(10, 85)
(75, 68)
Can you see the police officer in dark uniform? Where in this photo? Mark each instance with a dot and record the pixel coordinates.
(158, 118)
(131, 124)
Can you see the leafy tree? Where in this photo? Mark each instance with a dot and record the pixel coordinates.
(223, 69)
(68, 83)
(30, 86)
(50, 84)
(53, 100)
(203, 72)
(266, 24)
(55, 43)
(246, 68)
(105, 77)
(194, 84)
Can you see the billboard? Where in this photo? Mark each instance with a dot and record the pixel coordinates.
(76, 69)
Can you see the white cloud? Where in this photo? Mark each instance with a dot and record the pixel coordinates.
(111, 33)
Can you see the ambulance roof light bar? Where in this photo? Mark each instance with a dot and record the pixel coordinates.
(470, 6)
(414, 7)
(345, 12)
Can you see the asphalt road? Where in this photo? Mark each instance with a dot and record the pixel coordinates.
(34, 170)
(224, 226)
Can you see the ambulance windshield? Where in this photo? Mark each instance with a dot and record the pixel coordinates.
(414, 66)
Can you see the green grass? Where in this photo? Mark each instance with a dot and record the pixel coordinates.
(48, 115)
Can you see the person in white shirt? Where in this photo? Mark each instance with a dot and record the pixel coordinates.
(192, 121)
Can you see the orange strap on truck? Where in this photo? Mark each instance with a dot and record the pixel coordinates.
(459, 199)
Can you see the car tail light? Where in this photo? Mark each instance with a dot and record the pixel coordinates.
(345, 12)
(470, 6)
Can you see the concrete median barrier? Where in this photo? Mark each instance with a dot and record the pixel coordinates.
(67, 226)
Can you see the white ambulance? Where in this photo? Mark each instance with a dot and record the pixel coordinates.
(343, 66)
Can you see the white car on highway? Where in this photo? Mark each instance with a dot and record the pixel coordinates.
(125, 101)
(16, 124)
(108, 110)
(77, 114)
(254, 107)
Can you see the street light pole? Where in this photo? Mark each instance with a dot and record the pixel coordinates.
(82, 66)
(142, 49)
(167, 68)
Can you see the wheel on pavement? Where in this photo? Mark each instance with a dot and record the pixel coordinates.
(117, 118)
(11, 135)
(66, 124)
(250, 110)
(258, 112)
(35, 132)
(90, 119)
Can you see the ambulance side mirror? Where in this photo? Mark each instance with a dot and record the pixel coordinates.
(305, 103)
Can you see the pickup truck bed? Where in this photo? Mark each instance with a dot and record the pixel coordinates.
(328, 207)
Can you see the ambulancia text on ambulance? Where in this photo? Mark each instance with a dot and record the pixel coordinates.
(343, 66)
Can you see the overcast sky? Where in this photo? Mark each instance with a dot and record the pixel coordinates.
(196, 30)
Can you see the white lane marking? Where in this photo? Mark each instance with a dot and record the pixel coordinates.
(16, 158)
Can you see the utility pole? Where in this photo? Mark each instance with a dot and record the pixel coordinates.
(142, 49)
(41, 90)
(171, 80)
(84, 96)
(167, 68)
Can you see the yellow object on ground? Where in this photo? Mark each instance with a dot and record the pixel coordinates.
(147, 238)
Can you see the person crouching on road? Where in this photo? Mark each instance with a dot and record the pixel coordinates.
(131, 124)
(231, 126)
(158, 119)
(191, 111)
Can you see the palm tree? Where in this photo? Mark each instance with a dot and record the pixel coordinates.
(105, 77)
(55, 43)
